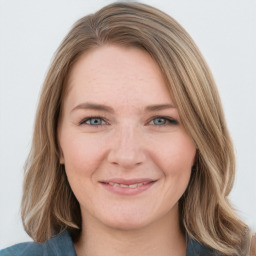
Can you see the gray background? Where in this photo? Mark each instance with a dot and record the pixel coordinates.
(30, 32)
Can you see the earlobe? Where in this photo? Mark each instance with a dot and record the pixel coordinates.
(61, 157)
(62, 160)
(195, 162)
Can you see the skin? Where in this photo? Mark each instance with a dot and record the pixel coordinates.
(131, 140)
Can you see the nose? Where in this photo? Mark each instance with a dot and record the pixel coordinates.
(127, 149)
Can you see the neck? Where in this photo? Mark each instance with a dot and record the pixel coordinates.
(163, 237)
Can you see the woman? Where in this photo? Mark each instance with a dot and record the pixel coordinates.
(131, 153)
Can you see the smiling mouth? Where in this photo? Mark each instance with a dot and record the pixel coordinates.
(135, 185)
(128, 187)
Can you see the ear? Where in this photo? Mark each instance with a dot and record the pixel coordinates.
(195, 161)
(61, 157)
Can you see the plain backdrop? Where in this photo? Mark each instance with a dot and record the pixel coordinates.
(30, 32)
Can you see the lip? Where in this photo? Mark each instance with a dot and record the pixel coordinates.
(127, 187)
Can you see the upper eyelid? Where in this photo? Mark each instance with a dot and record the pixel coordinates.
(84, 120)
(164, 117)
(104, 119)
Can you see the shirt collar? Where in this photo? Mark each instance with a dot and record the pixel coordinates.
(194, 248)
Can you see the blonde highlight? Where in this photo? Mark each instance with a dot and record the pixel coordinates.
(206, 213)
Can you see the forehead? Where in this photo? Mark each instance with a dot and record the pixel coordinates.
(117, 74)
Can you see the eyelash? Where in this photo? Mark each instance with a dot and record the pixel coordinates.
(169, 121)
(83, 122)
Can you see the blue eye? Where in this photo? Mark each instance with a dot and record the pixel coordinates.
(93, 121)
(159, 121)
(163, 121)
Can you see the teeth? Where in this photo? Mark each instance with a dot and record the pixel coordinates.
(126, 186)
(133, 186)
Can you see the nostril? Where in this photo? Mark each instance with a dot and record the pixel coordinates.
(125, 162)
(126, 154)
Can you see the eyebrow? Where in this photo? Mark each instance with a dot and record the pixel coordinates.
(102, 107)
(93, 106)
(158, 107)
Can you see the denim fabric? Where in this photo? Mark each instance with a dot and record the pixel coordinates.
(196, 249)
(62, 245)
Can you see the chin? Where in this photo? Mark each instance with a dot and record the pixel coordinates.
(127, 220)
(126, 225)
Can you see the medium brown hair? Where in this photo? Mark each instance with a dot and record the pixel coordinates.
(48, 204)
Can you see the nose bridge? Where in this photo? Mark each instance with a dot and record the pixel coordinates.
(128, 137)
(127, 146)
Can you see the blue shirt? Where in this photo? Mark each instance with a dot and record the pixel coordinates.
(62, 245)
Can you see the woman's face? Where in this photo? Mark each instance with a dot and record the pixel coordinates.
(127, 156)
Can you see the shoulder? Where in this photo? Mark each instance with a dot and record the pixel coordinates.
(195, 248)
(60, 245)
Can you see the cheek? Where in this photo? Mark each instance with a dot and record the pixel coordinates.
(82, 157)
(82, 154)
(176, 155)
